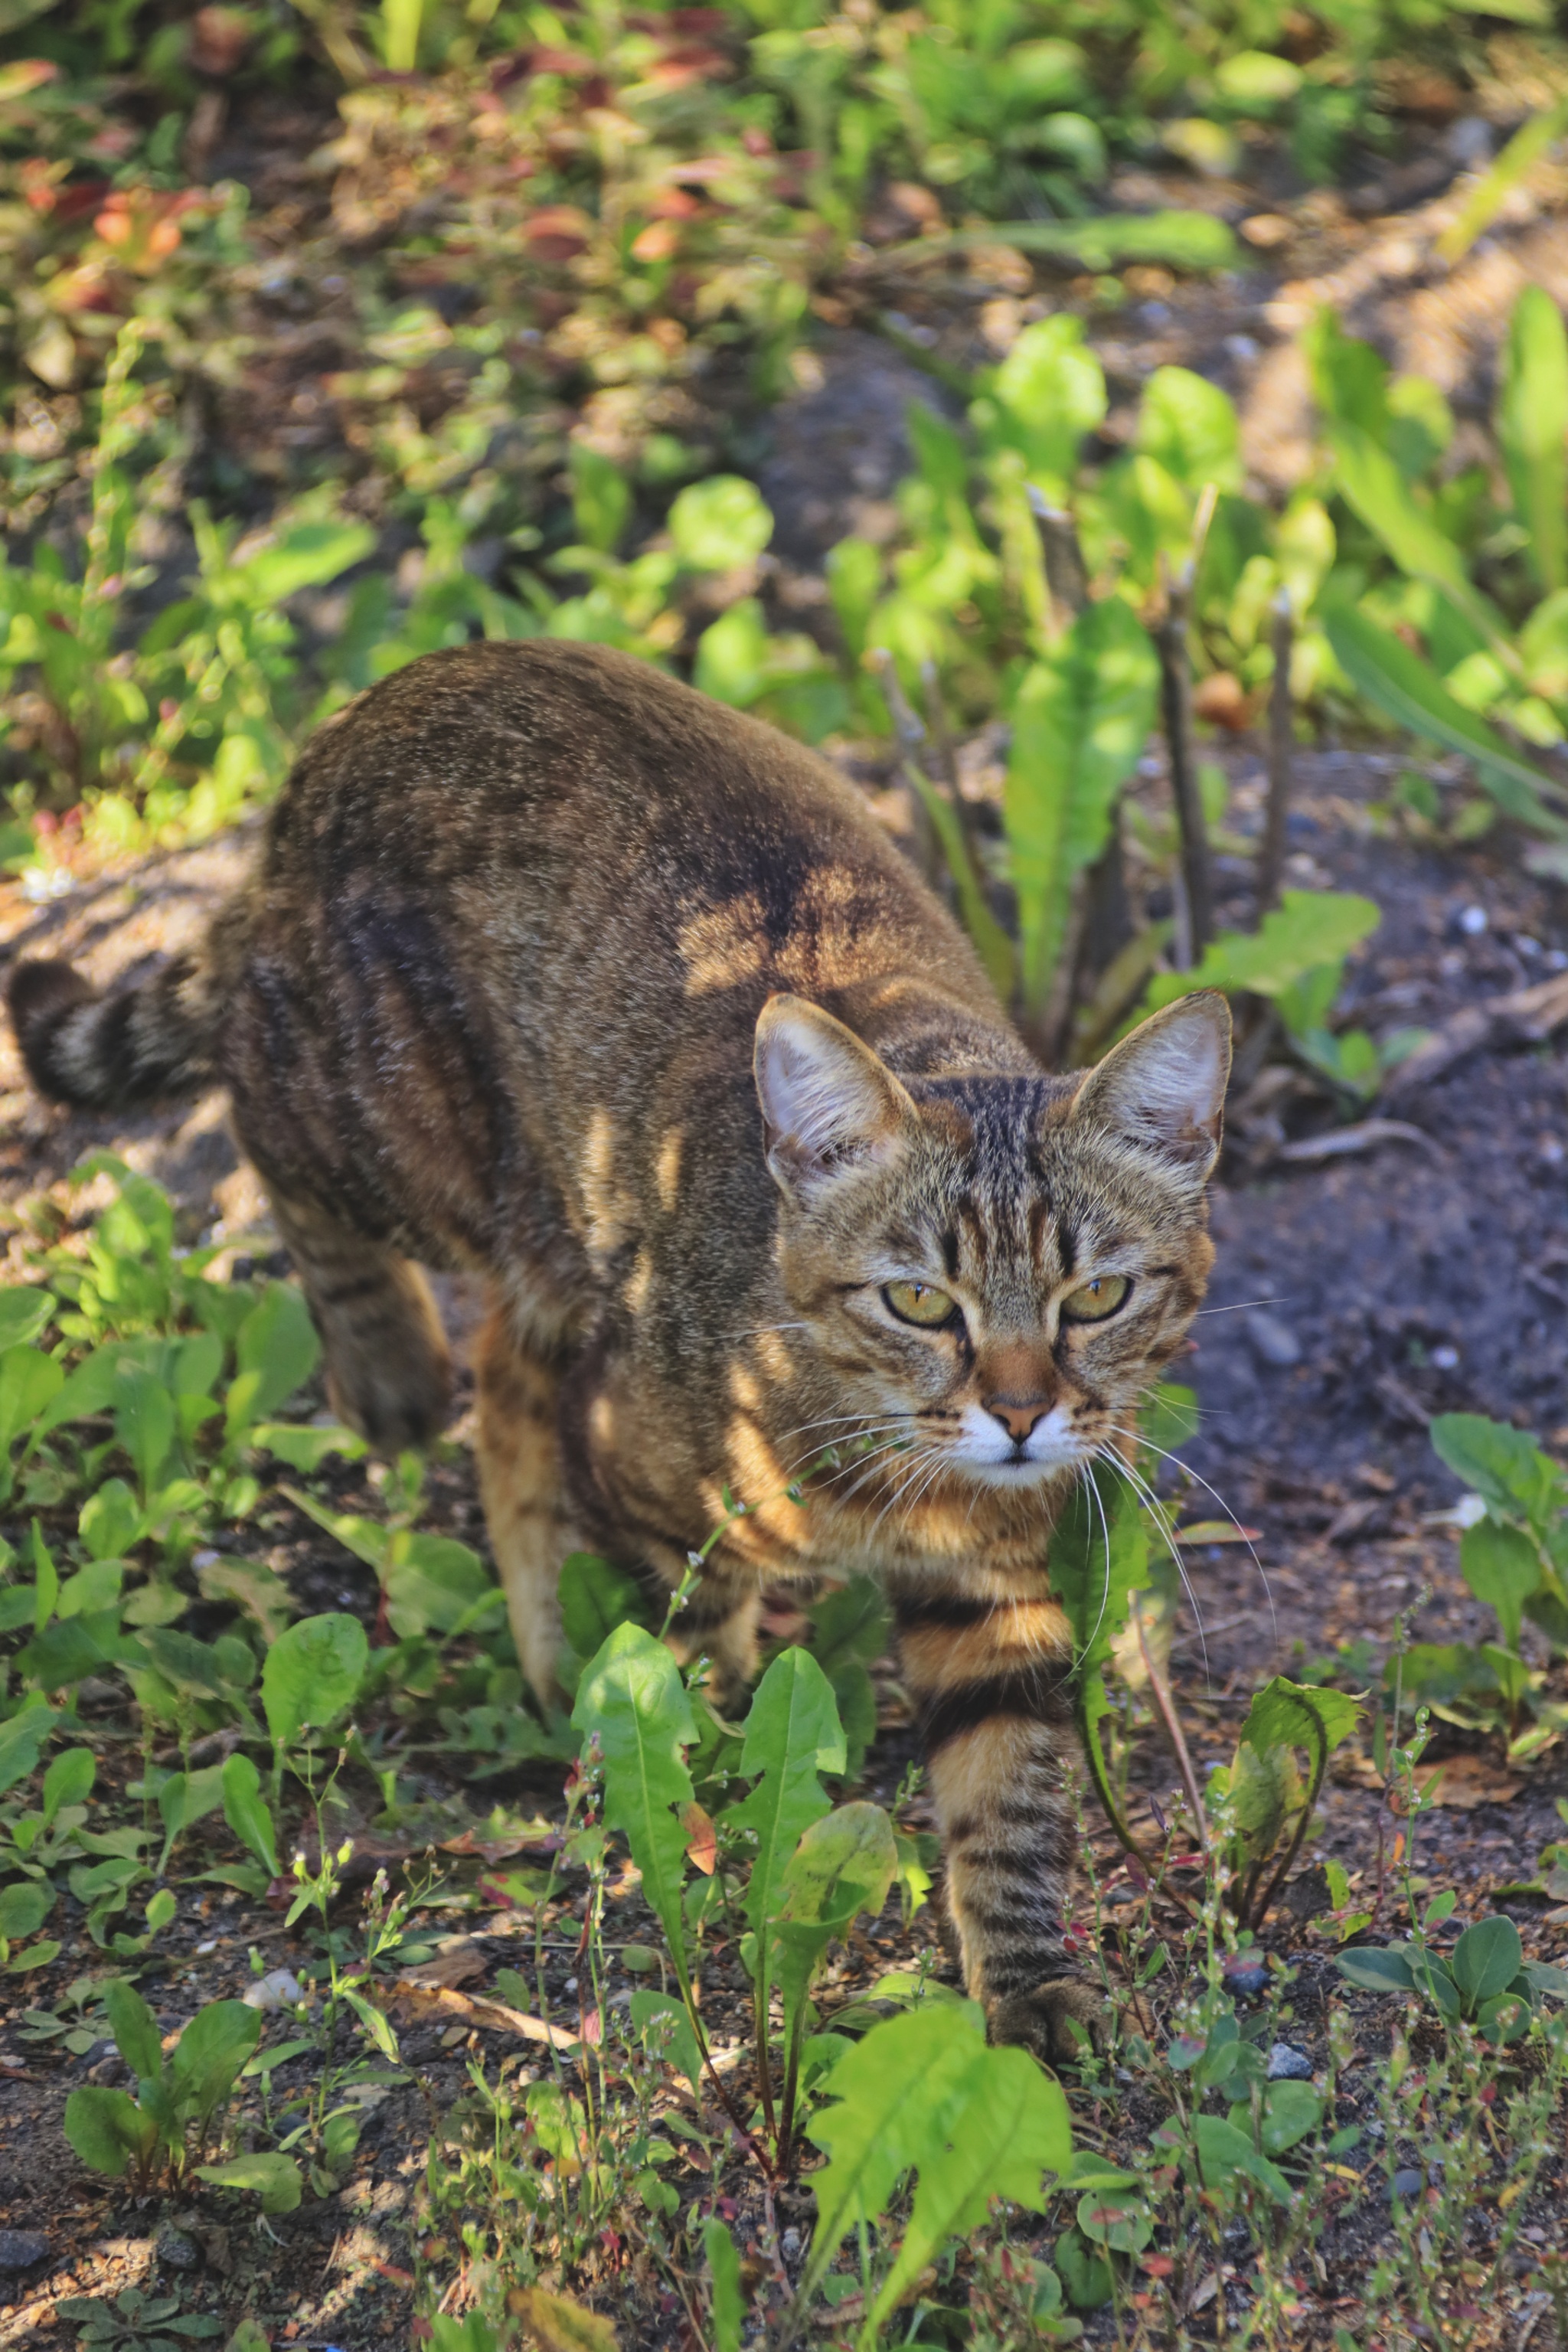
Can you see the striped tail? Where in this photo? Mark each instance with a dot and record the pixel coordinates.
(108, 1052)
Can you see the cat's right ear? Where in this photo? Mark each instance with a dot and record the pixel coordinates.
(829, 1105)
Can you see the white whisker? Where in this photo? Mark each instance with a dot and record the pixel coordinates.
(1214, 1494)
(1141, 1488)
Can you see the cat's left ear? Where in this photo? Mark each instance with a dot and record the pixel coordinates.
(1163, 1089)
(829, 1105)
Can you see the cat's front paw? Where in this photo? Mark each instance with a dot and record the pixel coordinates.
(1057, 2020)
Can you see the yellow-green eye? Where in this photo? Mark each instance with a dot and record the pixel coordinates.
(917, 1302)
(1091, 1302)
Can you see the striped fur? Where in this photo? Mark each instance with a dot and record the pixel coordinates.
(554, 970)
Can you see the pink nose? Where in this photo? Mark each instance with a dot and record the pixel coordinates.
(1018, 1420)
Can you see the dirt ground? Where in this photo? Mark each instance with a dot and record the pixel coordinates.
(1353, 1299)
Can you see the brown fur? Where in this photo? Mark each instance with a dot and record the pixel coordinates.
(525, 915)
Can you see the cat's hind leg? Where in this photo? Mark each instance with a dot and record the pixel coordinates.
(388, 1368)
(519, 1451)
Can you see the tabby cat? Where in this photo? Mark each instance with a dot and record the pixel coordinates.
(555, 971)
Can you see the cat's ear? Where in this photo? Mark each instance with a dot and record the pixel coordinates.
(829, 1106)
(1163, 1089)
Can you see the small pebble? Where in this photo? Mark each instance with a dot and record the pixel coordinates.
(1446, 1358)
(1289, 2064)
(789, 2244)
(1472, 922)
(1248, 1976)
(279, 1988)
(1408, 2182)
(570, 1985)
(1271, 1339)
(175, 2250)
(20, 2249)
(210, 1946)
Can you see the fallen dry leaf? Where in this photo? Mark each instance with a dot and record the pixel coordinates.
(1219, 1531)
(463, 2008)
(1466, 1781)
(458, 1965)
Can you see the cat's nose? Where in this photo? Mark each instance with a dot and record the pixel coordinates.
(1018, 1420)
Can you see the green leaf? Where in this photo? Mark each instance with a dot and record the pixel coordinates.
(1190, 426)
(726, 2302)
(303, 555)
(185, 1799)
(276, 1351)
(1532, 430)
(1299, 1715)
(1486, 200)
(108, 2130)
(632, 1697)
(667, 2032)
(245, 1811)
(22, 1738)
(1119, 2224)
(247, 1585)
(22, 1315)
(1506, 1467)
(1223, 2152)
(793, 1733)
(1372, 486)
(601, 497)
(134, 2028)
(596, 1597)
(1486, 1959)
(1382, 668)
(435, 1584)
(206, 2061)
(275, 2178)
(23, 1907)
(1050, 391)
(312, 1674)
(1183, 240)
(1080, 719)
(111, 1521)
(1306, 931)
(924, 2091)
(1099, 1558)
(719, 524)
(306, 1444)
(1377, 1969)
(1502, 1568)
(1290, 2110)
(143, 1422)
(29, 1383)
(68, 1781)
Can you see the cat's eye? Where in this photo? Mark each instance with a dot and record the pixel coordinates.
(918, 1302)
(1091, 1302)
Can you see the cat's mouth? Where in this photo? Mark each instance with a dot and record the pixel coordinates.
(985, 1450)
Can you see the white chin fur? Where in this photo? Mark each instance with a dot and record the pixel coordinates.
(985, 1450)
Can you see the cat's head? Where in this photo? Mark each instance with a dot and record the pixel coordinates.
(993, 1269)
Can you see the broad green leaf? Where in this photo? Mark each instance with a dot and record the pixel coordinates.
(368, 1539)
(22, 1315)
(1502, 1568)
(1011, 2131)
(1506, 1467)
(1373, 488)
(182, 1660)
(1189, 426)
(847, 1857)
(68, 1781)
(1299, 1715)
(134, 2028)
(601, 497)
(1377, 1969)
(719, 524)
(276, 1351)
(1532, 430)
(22, 1739)
(111, 1521)
(1079, 724)
(1099, 1558)
(923, 2091)
(1382, 668)
(91, 1388)
(248, 1585)
(108, 2130)
(304, 555)
(434, 1584)
(1290, 2110)
(1110, 2219)
(667, 2031)
(205, 2063)
(29, 1383)
(276, 2177)
(596, 1597)
(185, 1799)
(1050, 389)
(1223, 2152)
(792, 1734)
(23, 1907)
(312, 1674)
(1486, 1959)
(1307, 930)
(727, 2304)
(306, 1444)
(245, 1811)
(631, 1697)
(852, 1624)
(143, 1423)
